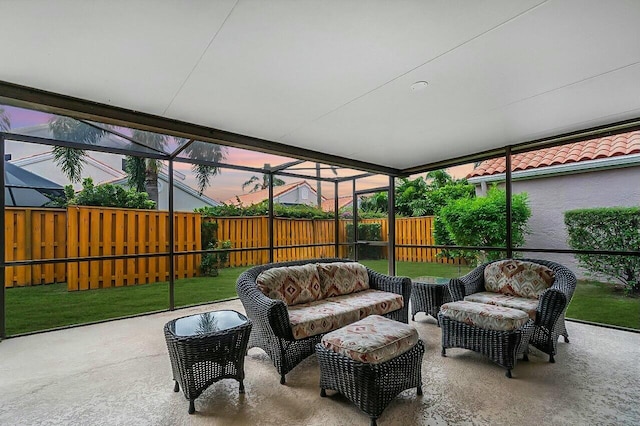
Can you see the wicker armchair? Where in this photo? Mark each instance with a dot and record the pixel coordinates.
(271, 327)
(552, 305)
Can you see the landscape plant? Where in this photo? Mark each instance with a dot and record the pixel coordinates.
(105, 195)
(482, 221)
(610, 229)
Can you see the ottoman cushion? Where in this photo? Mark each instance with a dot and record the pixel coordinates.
(372, 340)
(485, 316)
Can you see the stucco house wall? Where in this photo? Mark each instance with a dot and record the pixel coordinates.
(303, 194)
(550, 197)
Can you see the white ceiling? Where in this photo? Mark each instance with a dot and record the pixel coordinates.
(335, 76)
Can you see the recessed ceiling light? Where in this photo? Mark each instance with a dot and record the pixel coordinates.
(418, 86)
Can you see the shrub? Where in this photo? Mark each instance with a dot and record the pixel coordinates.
(611, 228)
(481, 221)
(212, 262)
(367, 232)
(299, 211)
(105, 195)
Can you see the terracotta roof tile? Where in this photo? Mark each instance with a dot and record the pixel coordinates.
(605, 147)
(328, 204)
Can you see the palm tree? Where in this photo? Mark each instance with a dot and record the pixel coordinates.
(142, 172)
(257, 185)
(208, 152)
(71, 160)
(5, 123)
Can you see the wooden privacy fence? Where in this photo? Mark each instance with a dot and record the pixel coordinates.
(105, 231)
(98, 231)
(101, 231)
(34, 234)
(252, 232)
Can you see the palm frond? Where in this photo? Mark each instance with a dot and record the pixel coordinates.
(70, 161)
(135, 168)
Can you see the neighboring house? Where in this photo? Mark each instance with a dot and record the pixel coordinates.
(101, 167)
(289, 194)
(25, 189)
(185, 198)
(343, 202)
(603, 172)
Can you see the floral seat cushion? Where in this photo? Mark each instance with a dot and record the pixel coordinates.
(525, 304)
(372, 340)
(518, 278)
(485, 316)
(291, 284)
(322, 316)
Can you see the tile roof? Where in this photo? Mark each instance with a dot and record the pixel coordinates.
(327, 205)
(605, 147)
(259, 196)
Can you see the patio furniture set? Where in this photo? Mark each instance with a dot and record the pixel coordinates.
(356, 321)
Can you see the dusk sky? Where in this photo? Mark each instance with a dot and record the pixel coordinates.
(229, 182)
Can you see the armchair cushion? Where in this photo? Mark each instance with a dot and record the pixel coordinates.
(340, 278)
(291, 284)
(525, 304)
(517, 278)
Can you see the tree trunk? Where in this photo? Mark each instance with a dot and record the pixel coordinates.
(151, 185)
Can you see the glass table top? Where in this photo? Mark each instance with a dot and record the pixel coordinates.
(207, 322)
(430, 280)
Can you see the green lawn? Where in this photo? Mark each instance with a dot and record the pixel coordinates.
(598, 302)
(49, 306)
(417, 269)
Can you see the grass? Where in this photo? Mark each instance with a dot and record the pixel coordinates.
(417, 269)
(49, 306)
(599, 302)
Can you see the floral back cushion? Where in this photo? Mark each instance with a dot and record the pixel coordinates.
(518, 278)
(291, 284)
(341, 278)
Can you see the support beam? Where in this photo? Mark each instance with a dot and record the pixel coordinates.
(271, 216)
(27, 97)
(508, 192)
(172, 266)
(336, 220)
(3, 331)
(391, 208)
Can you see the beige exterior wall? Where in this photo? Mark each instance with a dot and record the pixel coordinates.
(550, 197)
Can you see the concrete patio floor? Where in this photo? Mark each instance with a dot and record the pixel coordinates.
(118, 373)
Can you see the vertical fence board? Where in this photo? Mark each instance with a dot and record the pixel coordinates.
(72, 249)
(163, 247)
(119, 246)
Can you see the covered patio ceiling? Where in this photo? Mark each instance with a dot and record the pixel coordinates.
(332, 80)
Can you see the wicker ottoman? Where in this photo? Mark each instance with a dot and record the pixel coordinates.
(497, 332)
(370, 362)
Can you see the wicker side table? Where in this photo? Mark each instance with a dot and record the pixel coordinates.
(428, 294)
(205, 348)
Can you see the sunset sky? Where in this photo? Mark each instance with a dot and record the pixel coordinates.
(228, 182)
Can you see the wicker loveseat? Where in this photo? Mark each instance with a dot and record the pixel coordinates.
(292, 307)
(546, 306)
